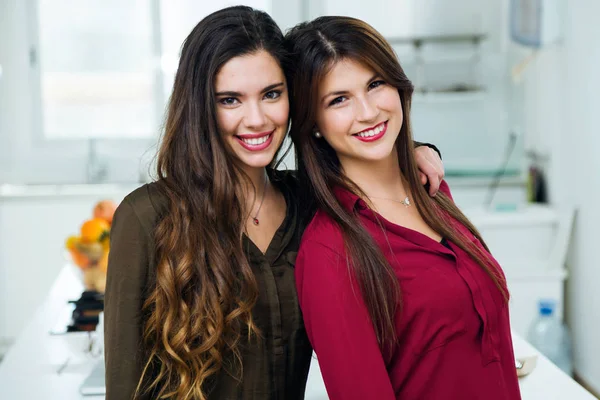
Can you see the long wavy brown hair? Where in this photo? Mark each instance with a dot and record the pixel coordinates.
(315, 48)
(201, 306)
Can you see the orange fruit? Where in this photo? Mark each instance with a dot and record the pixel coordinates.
(79, 258)
(72, 242)
(94, 230)
(105, 210)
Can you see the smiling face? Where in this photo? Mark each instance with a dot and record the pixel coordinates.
(358, 113)
(252, 108)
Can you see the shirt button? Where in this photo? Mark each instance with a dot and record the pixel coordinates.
(361, 205)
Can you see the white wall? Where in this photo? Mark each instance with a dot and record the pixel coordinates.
(562, 108)
(578, 174)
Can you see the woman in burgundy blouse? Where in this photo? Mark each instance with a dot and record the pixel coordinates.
(400, 296)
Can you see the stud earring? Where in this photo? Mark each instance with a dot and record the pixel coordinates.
(318, 135)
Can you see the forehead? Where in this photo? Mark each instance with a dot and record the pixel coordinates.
(345, 74)
(249, 73)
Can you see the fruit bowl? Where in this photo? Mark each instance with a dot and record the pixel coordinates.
(89, 250)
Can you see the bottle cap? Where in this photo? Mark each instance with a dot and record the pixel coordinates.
(546, 306)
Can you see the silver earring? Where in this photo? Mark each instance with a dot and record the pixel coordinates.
(318, 135)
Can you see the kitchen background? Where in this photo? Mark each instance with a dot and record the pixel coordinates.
(83, 85)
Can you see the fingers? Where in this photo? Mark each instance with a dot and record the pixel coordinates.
(429, 168)
(434, 184)
(437, 161)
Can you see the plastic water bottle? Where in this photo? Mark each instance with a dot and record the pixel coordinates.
(551, 337)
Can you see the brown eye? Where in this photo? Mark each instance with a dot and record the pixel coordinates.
(273, 94)
(228, 101)
(337, 100)
(376, 84)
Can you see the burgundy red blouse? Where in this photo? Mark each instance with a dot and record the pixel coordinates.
(454, 338)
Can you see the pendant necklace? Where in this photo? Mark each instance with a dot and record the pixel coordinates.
(255, 220)
(405, 202)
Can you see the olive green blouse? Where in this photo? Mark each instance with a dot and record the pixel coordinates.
(277, 368)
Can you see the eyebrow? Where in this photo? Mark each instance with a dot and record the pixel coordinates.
(341, 92)
(240, 94)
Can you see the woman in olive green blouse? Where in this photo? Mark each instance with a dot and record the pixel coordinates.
(200, 300)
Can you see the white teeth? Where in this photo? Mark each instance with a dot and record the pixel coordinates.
(371, 132)
(255, 141)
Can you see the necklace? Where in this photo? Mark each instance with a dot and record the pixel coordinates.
(405, 202)
(255, 220)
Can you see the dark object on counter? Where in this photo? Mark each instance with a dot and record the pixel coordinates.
(537, 192)
(87, 309)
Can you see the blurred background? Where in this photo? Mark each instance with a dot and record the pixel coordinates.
(507, 89)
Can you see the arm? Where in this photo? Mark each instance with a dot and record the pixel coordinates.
(431, 168)
(339, 327)
(126, 281)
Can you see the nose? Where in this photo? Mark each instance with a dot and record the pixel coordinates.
(366, 109)
(255, 117)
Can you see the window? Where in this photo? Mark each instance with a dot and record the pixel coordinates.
(107, 66)
(98, 69)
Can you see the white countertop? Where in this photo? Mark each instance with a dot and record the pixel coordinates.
(36, 367)
(32, 367)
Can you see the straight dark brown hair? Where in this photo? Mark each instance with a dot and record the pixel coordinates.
(315, 48)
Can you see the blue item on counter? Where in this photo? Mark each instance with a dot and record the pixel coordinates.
(551, 337)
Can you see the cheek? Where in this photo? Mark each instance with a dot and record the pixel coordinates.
(226, 121)
(336, 122)
(281, 113)
(390, 101)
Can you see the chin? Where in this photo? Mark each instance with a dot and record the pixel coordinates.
(375, 155)
(256, 161)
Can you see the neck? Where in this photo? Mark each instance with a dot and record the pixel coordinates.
(377, 178)
(253, 187)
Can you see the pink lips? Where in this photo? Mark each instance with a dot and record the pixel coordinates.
(373, 138)
(256, 147)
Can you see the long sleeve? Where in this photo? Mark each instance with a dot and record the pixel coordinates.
(339, 326)
(128, 267)
(431, 146)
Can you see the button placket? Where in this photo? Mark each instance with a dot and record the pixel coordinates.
(488, 349)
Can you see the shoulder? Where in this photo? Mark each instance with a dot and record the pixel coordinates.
(445, 188)
(322, 233)
(132, 253)
(321, 265)
(147, 199)
(144, 205)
